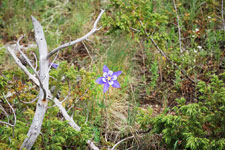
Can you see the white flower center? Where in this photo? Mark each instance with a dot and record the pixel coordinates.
(109, 78)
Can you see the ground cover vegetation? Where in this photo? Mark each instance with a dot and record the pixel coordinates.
(172, 89)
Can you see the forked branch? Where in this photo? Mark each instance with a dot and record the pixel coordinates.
(94, 29)
(29, 63)
(42, 80)
(14, 114)
(25, 70)
(43, 75)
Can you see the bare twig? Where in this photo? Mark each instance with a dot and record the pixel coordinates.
(88, 52)
(80, 39)
(117, 135)
(222, 16)
(35, 72)
(65, 98)
(30, 102)
(167, 58)
(182, 71)
(71, 121)
(9, 124)
(53, 61)
(52, 64)
(6, 114)
(25, 57)
(121, 142)
(92, 145)
(178, 26)
(136, 30)
(19, 63)
(132, 147)
(53, 91)
(10, 94)
(73, 124)
(65, 114)
(14, 114)
(35, 57)
(90, 41)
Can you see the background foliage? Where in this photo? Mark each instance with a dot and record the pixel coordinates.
(157, 103)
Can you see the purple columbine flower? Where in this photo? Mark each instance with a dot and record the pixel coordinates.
(53, 65)
(109, 78)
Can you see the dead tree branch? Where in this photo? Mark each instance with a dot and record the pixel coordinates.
(29, 63)
(14, 114)
(6, 114)
(94, 29)
(171, 62)
(178, 26)
(42, 80)
(19, 63)
(72, 123)
(41, 106)
(35, 57)
(121, 142)
(167, 58)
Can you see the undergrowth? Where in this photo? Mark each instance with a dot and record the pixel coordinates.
(171, 101)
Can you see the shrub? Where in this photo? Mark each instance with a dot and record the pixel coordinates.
(195, 126)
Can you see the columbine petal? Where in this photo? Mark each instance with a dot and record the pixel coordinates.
(106, 87)
(105, 69)
(110, 72)
(114, 77)
(111, 82)
(100, 80)
(105, 74)
(103, 79)
(116, 84)
(53, 65)
(117, 73)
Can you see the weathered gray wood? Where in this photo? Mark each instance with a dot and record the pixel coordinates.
(42, 80)
(41, 106)
(65, 115)
(19, 63)
(72, 123)
(29, 63)
(93, 30)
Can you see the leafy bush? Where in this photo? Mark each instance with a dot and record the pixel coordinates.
(195, 126)
(56, 134)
